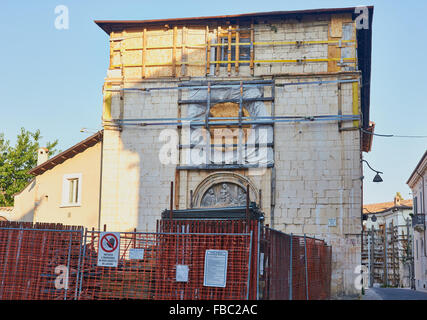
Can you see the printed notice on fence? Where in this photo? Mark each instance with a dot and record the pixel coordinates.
(108, 249)
(215, 268)
(136, 254)
(261, 263)
(181, 273)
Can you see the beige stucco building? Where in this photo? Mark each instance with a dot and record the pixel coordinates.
(65, 188)
(293, 86)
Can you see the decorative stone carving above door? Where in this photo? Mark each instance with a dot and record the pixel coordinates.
(224, 195)
(224, 189)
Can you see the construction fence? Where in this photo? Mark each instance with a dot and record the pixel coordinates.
(182, 260)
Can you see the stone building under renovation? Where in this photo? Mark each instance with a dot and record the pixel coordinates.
(276, 103)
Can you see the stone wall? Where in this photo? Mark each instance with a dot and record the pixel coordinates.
(317, 186)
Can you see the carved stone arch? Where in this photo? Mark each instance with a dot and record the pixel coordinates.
(224, 189)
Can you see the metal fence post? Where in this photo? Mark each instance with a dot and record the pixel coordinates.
(68, 265)
(306, 273)
(249, 267)
(83, 263)
(290, 272)
(258, 260)
(385, 257)
(369, 259)
(78, 263)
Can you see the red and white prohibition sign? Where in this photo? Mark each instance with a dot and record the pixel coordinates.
(109, 242)
(108, 249)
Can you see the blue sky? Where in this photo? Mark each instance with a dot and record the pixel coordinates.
(51, 79)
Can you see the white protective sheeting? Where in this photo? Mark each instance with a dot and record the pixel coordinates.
(259, 133)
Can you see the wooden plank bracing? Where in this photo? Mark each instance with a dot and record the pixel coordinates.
(196, 51)
(184, 51)
(144, 52)
(175, 31)
(237, 54)
(252, 53)
(229, 37)
(218, 49)
(208, 51)
(335, 35)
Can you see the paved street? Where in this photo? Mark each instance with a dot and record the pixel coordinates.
(393, 294)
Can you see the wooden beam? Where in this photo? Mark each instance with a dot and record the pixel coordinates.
(218, 49)
(184, 52)
(122, 54)
(175, 30)
(229, 50)
(208, 51)
(252, 53)
(144, 52)
(237, 51)
(177, 182)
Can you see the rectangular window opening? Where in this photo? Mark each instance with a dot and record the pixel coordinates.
(73, 190)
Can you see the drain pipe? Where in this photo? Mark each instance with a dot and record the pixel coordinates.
(100, 181)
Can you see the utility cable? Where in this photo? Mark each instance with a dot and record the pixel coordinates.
(391, 135)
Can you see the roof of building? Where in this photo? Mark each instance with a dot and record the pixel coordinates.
(419, 170)
(109, 25)
(386, 206)
(67, 154)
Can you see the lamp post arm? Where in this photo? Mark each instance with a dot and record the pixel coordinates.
(363, 160)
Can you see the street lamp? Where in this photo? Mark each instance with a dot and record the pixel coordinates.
(377, 177)
(83, 130)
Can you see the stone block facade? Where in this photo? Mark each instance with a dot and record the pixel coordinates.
(314, 186)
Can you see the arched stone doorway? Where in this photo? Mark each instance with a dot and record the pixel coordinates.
(224, 189)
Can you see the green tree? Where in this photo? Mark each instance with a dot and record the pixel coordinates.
(17, 160)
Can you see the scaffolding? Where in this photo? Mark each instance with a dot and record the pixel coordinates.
(385, 251)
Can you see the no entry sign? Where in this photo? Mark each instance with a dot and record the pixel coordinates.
(108, 249)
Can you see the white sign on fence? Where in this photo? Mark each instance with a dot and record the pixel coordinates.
(108, 249)
(261, 263)
(182, 273)
(215, 274)
(136, 254)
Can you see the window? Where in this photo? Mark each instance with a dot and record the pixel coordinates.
(415, 205)
(244, 51)
(71, 190)
(416, 247)
(222, 51)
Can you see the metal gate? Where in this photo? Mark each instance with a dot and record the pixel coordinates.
(293, 267)
(155, 275)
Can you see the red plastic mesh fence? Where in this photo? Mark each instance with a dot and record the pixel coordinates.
(298, 280)
(154, 276)
(318, 269)
(293, 267)
(33, 259)
(39, 262)
(220, 226)
(274, 265)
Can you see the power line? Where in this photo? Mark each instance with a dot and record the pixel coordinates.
(391, 135)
